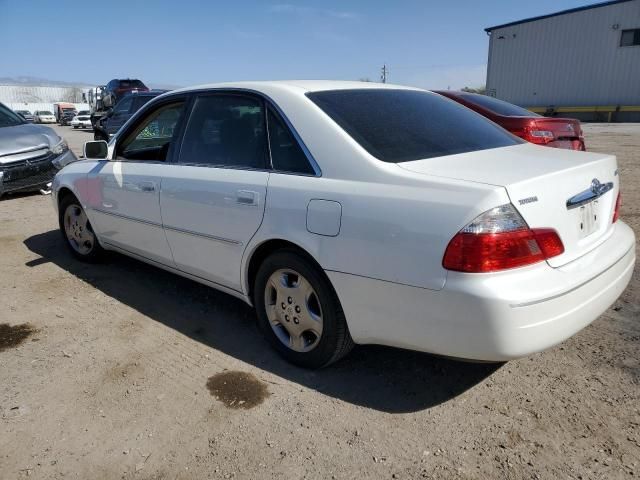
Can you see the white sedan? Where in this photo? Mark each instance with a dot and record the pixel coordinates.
(44, 116)
(82, 120)
(358, 213)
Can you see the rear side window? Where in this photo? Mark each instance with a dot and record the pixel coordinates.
(225, 131)
(286, 153)
(403, 125)
(498, 106)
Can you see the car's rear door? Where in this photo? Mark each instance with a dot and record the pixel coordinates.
(125, 192)
(213, 198)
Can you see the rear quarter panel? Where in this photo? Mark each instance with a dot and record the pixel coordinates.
(395, 231)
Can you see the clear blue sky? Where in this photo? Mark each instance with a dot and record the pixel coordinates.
(185, 42)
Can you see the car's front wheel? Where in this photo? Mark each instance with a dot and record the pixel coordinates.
(77, 231)
(299, 312)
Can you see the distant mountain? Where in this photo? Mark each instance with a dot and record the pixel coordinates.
(39, 82)
(28, 81)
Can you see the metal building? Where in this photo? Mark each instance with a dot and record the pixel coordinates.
(41, 97)
(581, 60)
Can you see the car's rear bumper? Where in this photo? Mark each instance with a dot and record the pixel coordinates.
(492, 317)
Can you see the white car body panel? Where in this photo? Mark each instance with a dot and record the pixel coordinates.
(379, 230)
(231, 201)
(123, 205)
(493, 317)
(551, 180)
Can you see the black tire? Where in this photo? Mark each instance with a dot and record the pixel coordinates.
(96, 253)
(335, 341)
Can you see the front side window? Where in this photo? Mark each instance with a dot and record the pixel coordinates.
(225, 131)
(629, 38)
(286, 153)
(8, 118)
(404, 125)
(152, 137)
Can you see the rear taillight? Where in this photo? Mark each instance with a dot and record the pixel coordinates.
(616, 210)
(500, 239)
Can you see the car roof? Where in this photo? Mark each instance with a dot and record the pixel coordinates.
(298, 85)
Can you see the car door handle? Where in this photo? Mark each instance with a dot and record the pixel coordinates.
(247, 197)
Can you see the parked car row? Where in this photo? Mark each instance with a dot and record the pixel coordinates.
(359, 213)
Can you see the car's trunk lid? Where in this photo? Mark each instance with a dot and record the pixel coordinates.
(551, 188)
(562, 128)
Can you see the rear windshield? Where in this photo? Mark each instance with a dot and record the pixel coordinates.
(404, 125)
(131, 84)
(498, 106)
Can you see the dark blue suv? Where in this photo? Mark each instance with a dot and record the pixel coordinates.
(118, 115)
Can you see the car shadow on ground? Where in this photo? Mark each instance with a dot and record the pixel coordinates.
(385, 379)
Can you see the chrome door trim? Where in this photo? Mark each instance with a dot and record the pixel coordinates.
(126, 217)
(203, 235)
(168, 227)
(596, 190)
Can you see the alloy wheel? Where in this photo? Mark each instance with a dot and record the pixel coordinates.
(78, 230)
(293, 309)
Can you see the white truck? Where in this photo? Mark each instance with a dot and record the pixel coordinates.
(94, 97)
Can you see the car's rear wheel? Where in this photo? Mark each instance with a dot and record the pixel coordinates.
(77, 231)
(299, 312)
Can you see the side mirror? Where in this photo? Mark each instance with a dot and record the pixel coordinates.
(96, 150)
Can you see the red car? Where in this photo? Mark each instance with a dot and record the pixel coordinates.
(534, 128)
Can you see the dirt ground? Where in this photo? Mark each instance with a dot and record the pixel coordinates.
(125, 371)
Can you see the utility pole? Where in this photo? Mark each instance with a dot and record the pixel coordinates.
(384, 73)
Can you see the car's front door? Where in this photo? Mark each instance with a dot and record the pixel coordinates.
(213, 198)
(125, 191)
